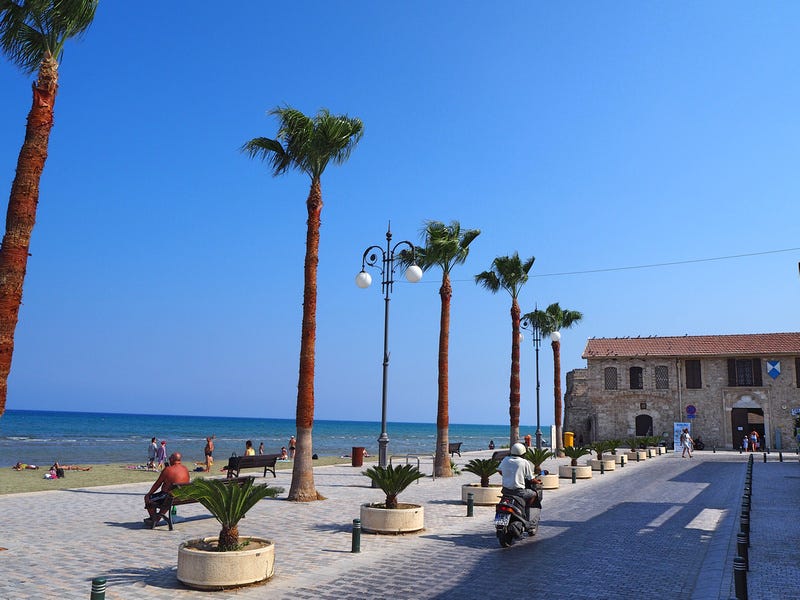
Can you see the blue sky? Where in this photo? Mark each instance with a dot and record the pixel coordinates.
(166, 267)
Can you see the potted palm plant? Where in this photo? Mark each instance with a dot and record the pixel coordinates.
(483, 493)
(228, 560)
(599, 448)
(620, 458)
(537, 456)
(581, 471)
(636, 453)
(391, 516)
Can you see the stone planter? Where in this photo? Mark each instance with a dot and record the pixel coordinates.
(642, 454)
(581, 472)
(661, 450)
(608, 464)
(550, 481)
(203, 568)
(651, 452)
(621, 459)
(406, 518)
(481, 496)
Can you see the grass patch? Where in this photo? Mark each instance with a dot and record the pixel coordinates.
(18, 482)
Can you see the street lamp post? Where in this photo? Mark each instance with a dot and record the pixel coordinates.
(537, 341)
(386, 261)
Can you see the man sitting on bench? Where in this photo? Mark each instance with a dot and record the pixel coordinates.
(174, 474)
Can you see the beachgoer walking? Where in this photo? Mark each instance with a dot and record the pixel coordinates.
(292, 446)
(152, 448)
(528, 441)
(686, 442)
(261, 448)
(161, 455)
(248, 448)
(754, 445)
(209, 453)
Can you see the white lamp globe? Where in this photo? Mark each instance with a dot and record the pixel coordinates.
(413, 274)
(556, 336)
(363, 280)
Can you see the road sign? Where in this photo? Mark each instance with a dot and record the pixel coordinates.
(690, 409)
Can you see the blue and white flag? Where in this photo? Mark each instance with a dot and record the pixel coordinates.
(773, 368)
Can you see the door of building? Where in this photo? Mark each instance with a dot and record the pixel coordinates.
(644, 425)
(745, 420)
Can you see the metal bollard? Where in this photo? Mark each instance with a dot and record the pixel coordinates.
(602, 468)
(744, 525)
(470, 504)
(714, 449)
(741, 549)
(356, 545)
(98, 588)
(780, 456)
(740, 578)
(574, 474)
(765, 457)
(637, 456)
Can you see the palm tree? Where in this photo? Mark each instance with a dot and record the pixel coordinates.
(510, 273)
(393, 480)
(445, 247)
(32, 36)
(483, 468)
(550, 321)
(307, 144)
(228, 503)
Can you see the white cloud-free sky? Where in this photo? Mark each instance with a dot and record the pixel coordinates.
(166, 268)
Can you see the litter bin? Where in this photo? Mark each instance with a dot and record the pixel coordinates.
(569, 439)
(357, 456)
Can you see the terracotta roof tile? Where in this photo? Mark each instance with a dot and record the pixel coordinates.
(695, 345)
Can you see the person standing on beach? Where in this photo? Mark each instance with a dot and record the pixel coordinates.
(261, 448)
(209, 453)
(161, 454)
(151, 454)
(292, 445)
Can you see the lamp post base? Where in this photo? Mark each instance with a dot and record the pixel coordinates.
(538, 439)
(383, 455)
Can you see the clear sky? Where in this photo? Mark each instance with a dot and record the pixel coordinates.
(166, 268)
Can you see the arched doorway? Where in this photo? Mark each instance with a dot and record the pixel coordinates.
(644, 425)
(745, 420)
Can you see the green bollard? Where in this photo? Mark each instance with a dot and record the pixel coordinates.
(356, 546)
(602, 469)
(98, 588)
(740, 578)
(470, 504)
(780, 456)
(765, 457)
(574, 474)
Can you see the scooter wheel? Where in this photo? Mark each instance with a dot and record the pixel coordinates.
(505, 538)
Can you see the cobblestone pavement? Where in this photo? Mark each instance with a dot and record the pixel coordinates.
(662, 528)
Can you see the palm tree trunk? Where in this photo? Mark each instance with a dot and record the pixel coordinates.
(557, 392)
(302, 488)
(514, 397)
(442, 459)
(21, 215)
(228, 538)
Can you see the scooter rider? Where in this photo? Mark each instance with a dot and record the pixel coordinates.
(517, 474)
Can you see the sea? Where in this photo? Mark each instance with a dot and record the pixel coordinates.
(43, 437)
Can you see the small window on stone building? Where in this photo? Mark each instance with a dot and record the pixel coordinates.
(610, 376)
(662, 377)
(797, 371)
(637, 379)
(744, 372)
(694, 380)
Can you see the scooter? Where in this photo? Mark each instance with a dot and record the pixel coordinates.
(509, 519)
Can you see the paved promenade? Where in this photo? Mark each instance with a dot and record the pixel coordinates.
(662, 528)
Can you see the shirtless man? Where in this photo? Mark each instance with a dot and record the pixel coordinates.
(173, 474)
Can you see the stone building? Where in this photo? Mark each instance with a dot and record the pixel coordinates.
(724, 385)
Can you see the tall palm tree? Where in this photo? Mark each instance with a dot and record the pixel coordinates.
(551, 320)
(445, 247)
(32, 36)
(307, 144)
(510, 273)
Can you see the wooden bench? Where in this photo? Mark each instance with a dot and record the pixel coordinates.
(499, 455)
(237, 463)
(454, 448)
(165, 507)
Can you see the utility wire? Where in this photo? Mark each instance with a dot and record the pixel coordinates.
(655, 265)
